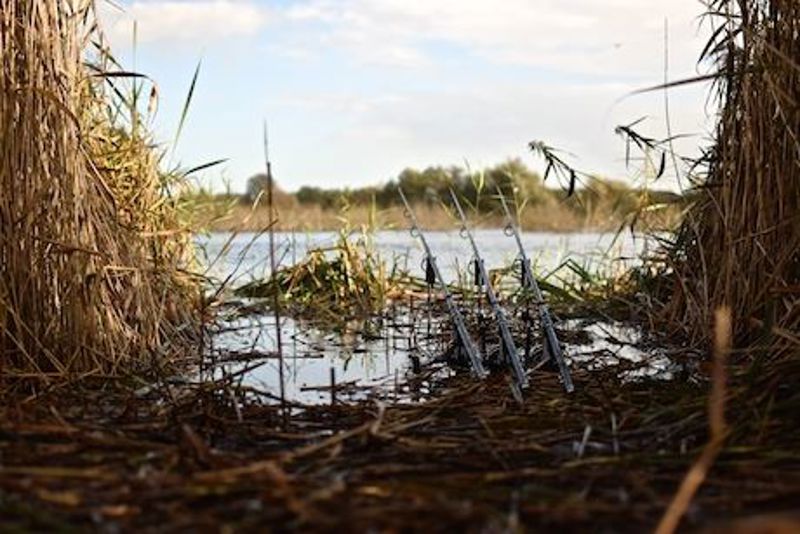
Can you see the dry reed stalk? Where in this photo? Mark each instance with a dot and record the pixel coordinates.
(716, 423)
(90, 244)
(739, 245)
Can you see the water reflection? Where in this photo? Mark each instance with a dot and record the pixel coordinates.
(377, 355)
(362, 358)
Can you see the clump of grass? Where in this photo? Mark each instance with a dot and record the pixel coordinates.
(738, 246)
(345, 281)
(92, 246)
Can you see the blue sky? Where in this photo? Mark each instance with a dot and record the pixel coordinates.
(356, 90)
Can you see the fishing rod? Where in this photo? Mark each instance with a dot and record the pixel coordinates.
(491, 296)
(551, 345)
(455, 314)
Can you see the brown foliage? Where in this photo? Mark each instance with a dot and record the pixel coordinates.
(90, 246)
(739, 245)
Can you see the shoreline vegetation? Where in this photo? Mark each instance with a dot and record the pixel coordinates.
(597, 204)
(93, 251)
(124, 411)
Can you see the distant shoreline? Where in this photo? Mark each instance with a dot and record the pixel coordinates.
(595, 204)
(433, 218)
(451, 230)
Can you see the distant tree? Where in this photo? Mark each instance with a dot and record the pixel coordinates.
(257, 185)
(431, 185)
(308, 195)
(388, 195)
(427, 186)
(517, 181)
(324, 198)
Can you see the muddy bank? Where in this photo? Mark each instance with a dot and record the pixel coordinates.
(176, 454)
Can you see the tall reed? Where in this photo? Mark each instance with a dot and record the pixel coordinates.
(91, 245)
(739, 246)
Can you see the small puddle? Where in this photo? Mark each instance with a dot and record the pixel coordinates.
(605, 343)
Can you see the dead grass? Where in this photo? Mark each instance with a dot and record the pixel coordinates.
(737, 249)
(91, 245)
(717, 428)
(333, 285)
(606, 458)
(739, 246)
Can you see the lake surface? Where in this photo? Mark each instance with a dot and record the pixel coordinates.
(381, 360)
(246, 255)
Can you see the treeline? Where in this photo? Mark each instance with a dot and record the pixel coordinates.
(595, 204)
(432, 184)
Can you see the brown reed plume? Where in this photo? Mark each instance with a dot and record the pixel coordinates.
(739, 245)
(91, 244)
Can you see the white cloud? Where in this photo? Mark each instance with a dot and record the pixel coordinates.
(593, 36)
(190, 22)
(593, 52)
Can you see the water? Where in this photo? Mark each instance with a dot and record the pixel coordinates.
(309, 356)
(614, 343)
(379, 360)
(247, 255)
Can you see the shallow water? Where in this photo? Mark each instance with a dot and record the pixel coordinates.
(611, 343)
(247, 254)
(377, 358)
(356, 362)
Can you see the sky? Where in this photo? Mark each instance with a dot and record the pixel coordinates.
(354, 91)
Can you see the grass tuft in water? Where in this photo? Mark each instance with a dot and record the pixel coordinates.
(335, 284)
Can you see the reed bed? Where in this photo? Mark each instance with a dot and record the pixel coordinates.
(92, 248)
(739, 246)
(586, 212)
